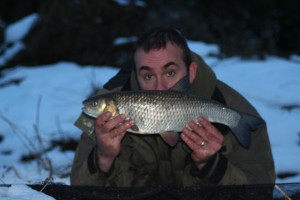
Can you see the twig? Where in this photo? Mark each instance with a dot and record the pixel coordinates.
(45, 162)
(13, 169)
(36, 125)
(286, 196)
(37, 150)
(2, 181)
(20, 134)
(60, 130)
(48, 180)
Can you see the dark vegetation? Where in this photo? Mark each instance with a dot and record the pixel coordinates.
(84, 31)
(63, 144)
(283, 175)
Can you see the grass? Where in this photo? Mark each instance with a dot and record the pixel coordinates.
(36, 148)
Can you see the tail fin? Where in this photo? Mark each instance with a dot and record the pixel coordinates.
(247, 124)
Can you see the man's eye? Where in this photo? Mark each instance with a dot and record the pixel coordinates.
(148, 77)
(171, 74)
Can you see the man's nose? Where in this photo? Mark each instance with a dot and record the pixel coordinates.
(161, 85)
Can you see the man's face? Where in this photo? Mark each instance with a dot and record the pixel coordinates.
(160, 69)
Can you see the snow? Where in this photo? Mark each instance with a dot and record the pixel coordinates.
(13, 34)
(48, 99)
(22, 192)
(19, 29)
(126, 2)
(124, 40)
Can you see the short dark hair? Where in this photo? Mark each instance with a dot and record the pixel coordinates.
(158, 38)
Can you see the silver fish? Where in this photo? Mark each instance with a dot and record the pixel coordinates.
(167, 112)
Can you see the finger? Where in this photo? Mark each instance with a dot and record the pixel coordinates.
(200, 154)
(204, 135)
(211, 129)
(197, 128)
(198, 143)
(113, 122)
(191, 135)
(120, 130)
(191, 139)
(102, 119)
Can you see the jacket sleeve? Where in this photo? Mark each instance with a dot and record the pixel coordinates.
(80, 174)
(135, 166)
(85, 170)
(253, 166)
(234, 165)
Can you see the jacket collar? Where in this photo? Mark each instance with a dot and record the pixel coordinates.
(205, 82)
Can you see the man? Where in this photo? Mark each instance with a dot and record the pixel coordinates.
(207, 154)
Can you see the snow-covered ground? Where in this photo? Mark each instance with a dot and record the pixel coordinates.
(48, 99)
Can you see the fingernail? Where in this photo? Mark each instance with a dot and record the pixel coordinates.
(191, 123)
(129, 123)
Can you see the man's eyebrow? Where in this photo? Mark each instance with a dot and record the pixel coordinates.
(169, 64)
(165, 66)
(144, 68)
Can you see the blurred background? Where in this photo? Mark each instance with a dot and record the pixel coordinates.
(91, 31)
(51, 43)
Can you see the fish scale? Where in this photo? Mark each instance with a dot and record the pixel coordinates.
(166, 112)
(160, 111)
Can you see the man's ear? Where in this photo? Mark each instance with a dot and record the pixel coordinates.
(193, 71)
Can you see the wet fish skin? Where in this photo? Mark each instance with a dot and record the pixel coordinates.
(167, 112)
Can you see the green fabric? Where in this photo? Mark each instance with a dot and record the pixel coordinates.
(148, 161)
(205, 82)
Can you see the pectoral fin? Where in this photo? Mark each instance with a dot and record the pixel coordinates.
(170, 137)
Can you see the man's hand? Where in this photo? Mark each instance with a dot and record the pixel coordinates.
(109, 134)
(204, 140)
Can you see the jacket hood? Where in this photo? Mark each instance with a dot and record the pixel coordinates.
(204, 83)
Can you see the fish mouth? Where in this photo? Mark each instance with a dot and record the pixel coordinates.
(88, 112)
(84, 109)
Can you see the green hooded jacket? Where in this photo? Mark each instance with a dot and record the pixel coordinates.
(147, 161)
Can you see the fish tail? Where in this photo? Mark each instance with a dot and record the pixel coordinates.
(243, 130)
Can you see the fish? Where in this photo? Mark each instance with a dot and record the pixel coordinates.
(167, 112)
